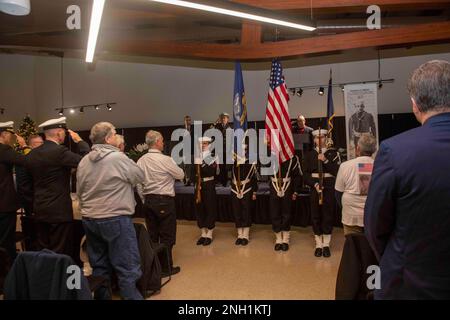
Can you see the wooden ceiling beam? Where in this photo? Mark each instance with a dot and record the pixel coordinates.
(318, 4)
(372, 38)
(249, 50)
(251, 34)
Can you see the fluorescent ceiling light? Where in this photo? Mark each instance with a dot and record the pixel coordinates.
(96, 18)
(15, 7)
(234, 13)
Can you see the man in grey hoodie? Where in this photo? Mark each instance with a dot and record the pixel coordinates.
(106, 178)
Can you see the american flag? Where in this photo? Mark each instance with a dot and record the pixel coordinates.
(278, 124)
(365, 167)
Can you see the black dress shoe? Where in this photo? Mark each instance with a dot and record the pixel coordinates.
(201, 241)
(174, 270)
(278, 247)
(238, 241)
(244, 242)
(318, 252)
(326, 252)
(207, 241)
(284, 246)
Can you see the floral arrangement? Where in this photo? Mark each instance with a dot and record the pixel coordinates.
(137, 151)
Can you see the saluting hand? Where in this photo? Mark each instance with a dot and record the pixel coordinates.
(20, 141)
(321, 157)
(318, 189)
(254, 197)
(75, 136)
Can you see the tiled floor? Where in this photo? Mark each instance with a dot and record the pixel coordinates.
(226, 271)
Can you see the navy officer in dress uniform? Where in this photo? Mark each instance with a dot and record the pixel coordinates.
(9, 201)
(51, 165)
(322, 161)
(244, 185)
(206, 170)
(284, 186)
(223, 125)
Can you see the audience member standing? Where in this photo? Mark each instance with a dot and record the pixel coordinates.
(106, 178)
(9, 202)
(161, 171)
(407, 213)
(352, 183)
(51, 165)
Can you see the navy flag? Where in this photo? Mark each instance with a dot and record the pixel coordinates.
(330, 105)
(239, 107)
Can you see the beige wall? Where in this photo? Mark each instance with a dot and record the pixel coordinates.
(153, 95)
(17, 93)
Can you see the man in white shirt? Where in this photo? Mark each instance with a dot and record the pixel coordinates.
(158, 190)
(352, 184)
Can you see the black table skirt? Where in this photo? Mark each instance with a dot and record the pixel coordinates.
(185, 207)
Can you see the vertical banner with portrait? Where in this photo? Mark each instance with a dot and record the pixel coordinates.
(361, 114)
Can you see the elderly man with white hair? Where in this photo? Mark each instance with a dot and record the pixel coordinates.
(352, 184)
(161, 171)
(105, 186)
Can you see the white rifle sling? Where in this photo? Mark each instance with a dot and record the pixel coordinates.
(240, 192)
(281, 190)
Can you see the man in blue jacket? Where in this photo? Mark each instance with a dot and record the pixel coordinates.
(407, 213)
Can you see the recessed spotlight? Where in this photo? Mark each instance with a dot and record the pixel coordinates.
(72, 111)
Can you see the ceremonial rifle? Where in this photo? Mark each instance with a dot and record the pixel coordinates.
(320, 169)
(198, 193)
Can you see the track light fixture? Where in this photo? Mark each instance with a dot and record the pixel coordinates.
(321, 91)
(81, 109)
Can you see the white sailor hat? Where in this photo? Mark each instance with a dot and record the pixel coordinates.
(322, 132)
(7, 126)
(204, 139)
(224, 114)
(54, 124)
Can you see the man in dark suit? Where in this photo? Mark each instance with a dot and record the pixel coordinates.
(407, 213)
(9, 201)
(188, 166)
(51, 165)
(223, 125)
(299, 127)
